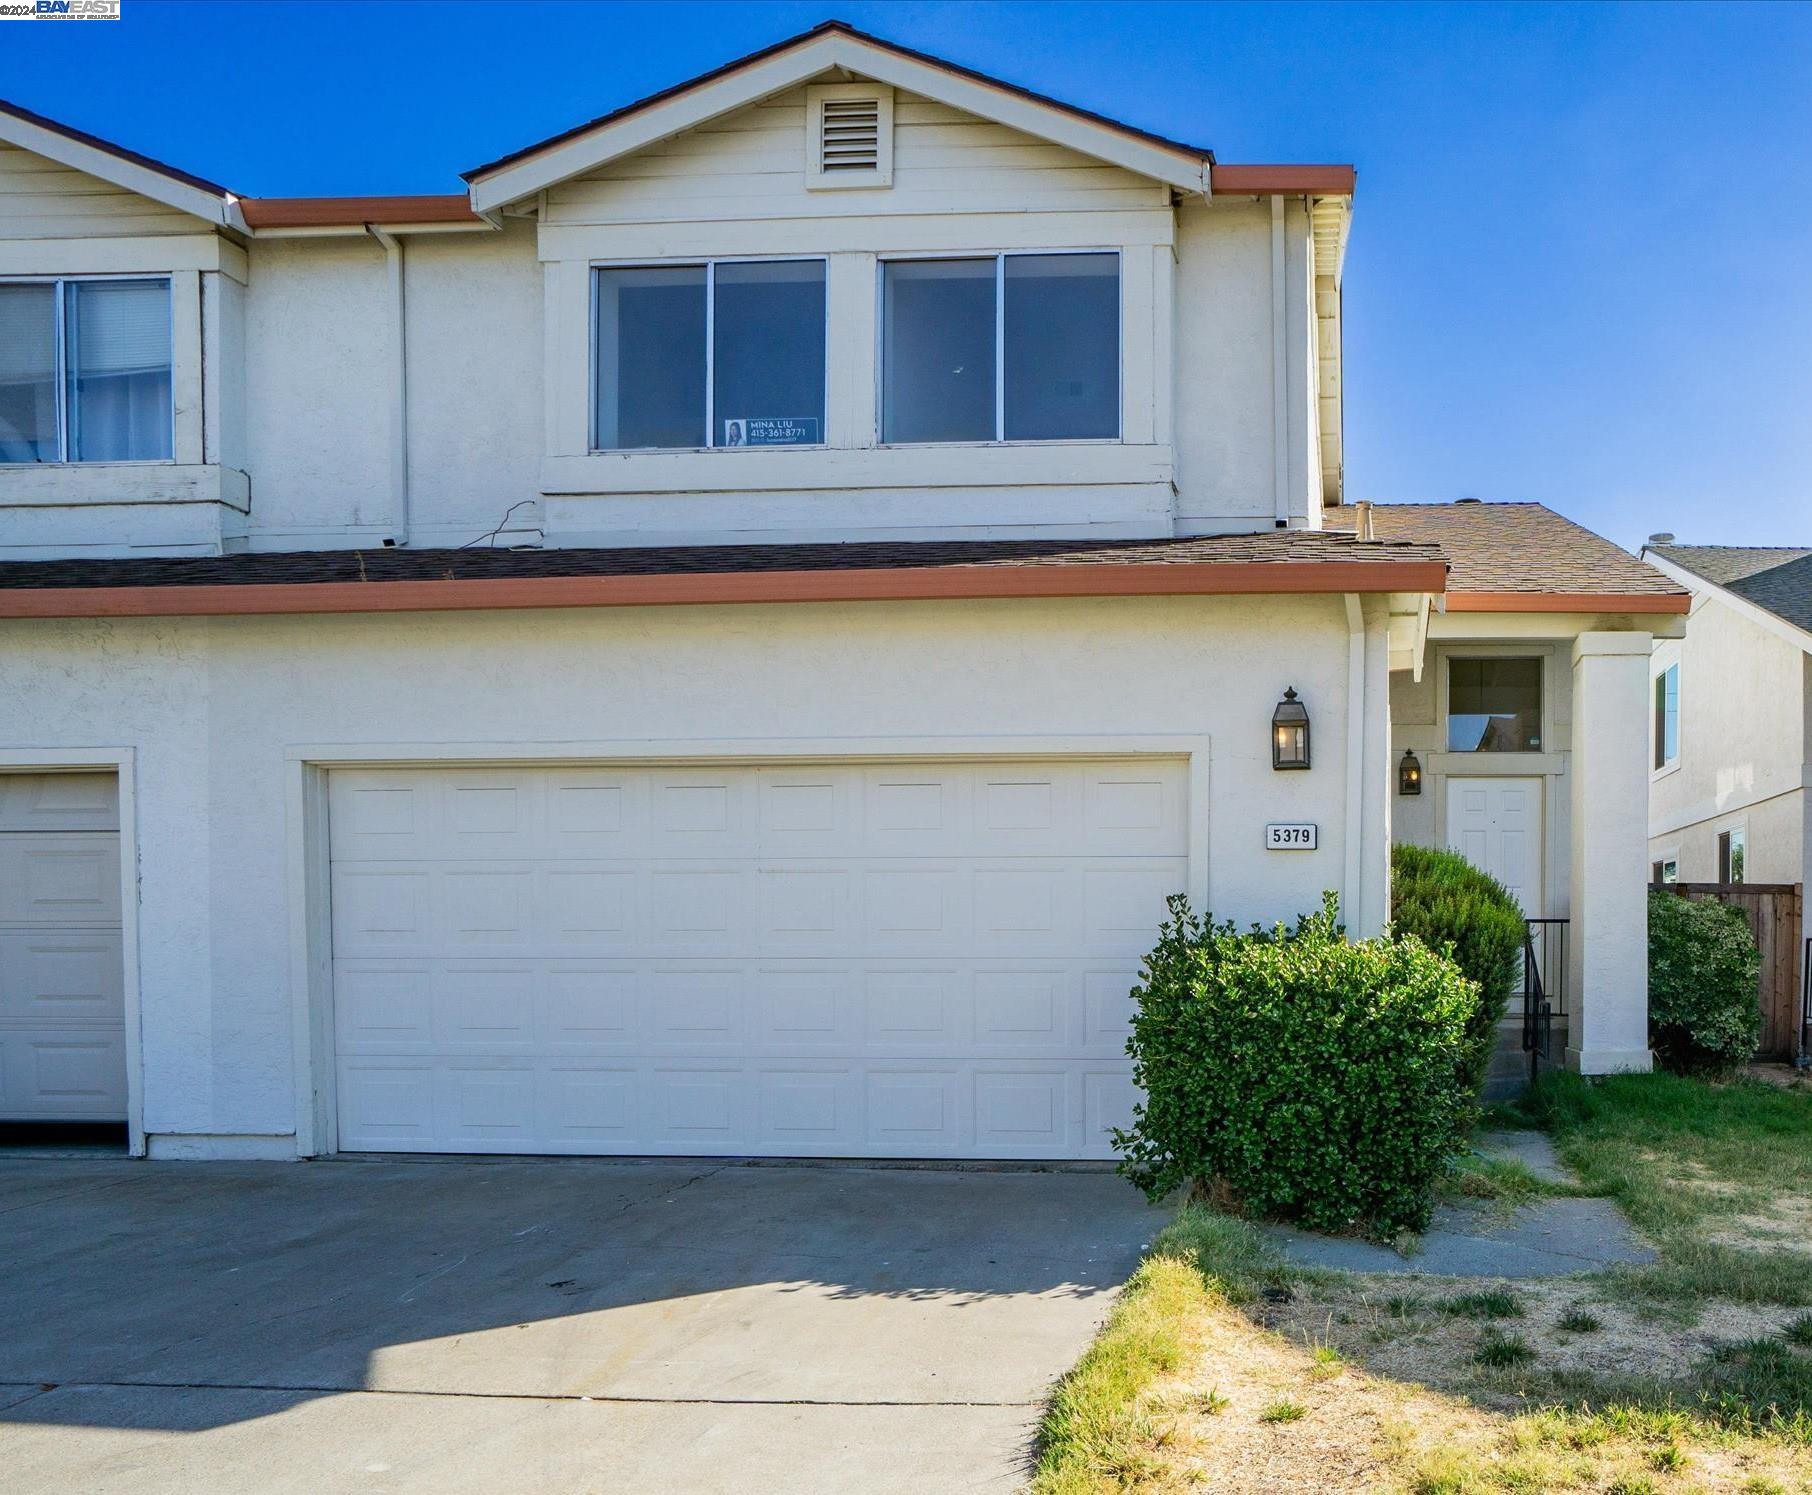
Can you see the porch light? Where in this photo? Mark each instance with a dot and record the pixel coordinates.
(1409, 774)
(1290, 732)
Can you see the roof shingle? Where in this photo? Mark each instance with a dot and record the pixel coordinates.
(1514, 548)
(1291, 547)
(1777, 578)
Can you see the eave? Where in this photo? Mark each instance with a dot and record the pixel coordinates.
(1172, 579)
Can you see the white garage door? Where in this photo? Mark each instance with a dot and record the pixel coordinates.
(62, 1013)
(852, 960)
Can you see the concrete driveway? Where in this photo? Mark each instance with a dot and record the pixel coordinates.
(555, 1326)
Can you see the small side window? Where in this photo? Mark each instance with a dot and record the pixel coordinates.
(1732, 845)
(1667, 716)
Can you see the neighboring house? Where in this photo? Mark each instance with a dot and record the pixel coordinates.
(1730, 750)
(721, 637)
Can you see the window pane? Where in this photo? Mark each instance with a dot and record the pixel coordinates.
(1670, 714)
(768, 331)
(937, 341)
(1062, 346)
(1494, 705)
(28, 373)
(650, 351)
(116, 346)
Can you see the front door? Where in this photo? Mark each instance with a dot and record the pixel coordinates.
(1496, 824)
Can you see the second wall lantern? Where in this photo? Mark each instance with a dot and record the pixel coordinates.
(1290, 732)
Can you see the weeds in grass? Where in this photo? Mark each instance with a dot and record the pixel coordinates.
(1404, 1305)
(1799, 1332)
(1577, 1321)
(1211, 1403)
(1490, 1303)
(1502, 1351)
(1283, 1410)
(1670, 1458)
(1099, 1426)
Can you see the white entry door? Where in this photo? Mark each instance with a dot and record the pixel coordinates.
(845, 960)
(1496, 824)
(62, 992)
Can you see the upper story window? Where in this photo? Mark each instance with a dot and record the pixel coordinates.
(1494, 705)
(85, 371)
(1667, 716)
(1012, 347)
(724, 353)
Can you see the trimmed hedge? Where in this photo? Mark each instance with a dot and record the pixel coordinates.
(1704, 975)
(1453, 906)
(1297, 1075)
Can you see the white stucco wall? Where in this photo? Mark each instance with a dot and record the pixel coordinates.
(1744, 701)
(211, 710)
(299, 378)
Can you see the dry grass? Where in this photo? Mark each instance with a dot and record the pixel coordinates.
(1691, 1375)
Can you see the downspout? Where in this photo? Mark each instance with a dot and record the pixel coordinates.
(1355, 759)
(1280, 371)
(399, 387)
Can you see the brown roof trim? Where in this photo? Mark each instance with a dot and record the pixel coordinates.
(1103, 579)
(1568, 602)
(348, 212)
(1282, 181)
(82, 137)
(825, 28)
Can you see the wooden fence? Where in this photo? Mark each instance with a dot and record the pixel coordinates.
(1773, 910)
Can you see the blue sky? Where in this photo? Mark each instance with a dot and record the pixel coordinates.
(1579, 266)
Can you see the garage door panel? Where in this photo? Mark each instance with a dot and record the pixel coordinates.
(62, 972)
(59, 802)
(60, 977)
(61, 880)
(58, 1074)
(884, 960)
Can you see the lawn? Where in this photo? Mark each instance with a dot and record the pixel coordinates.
(1222, 1368)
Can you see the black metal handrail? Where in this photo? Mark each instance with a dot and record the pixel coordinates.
(1544, 988)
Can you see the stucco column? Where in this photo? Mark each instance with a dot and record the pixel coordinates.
(1607, 941)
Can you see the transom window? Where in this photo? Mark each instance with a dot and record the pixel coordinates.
(1494, 705)
(1011, 347)
(1667, 716)
(85, 371)
(723, 353)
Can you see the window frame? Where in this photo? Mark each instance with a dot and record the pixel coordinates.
(1665, 871)
(709, 264)
(59, 308)
(1661, 761)
(1731, 839)
(1000, 258)
(1543, 694)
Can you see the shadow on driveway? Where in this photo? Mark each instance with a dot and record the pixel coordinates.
(186, 1296)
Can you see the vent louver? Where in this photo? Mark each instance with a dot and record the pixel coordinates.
(850, 136)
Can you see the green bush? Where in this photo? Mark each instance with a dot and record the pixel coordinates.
(1296, 1075)
(1704, 1015)
(1444, 900)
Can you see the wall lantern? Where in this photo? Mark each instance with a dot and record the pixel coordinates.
(1409, 774)
(1290, 732)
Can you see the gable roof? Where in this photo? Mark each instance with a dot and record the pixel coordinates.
(80, 151)
(1775, 578)
(1523, 557)
(827, 46)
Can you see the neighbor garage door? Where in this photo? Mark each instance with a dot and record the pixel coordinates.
(62, 1012)
(898, 960)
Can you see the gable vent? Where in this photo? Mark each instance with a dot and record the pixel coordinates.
(849, 135)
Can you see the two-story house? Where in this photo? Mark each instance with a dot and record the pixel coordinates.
(1731, 741)
(719, 638)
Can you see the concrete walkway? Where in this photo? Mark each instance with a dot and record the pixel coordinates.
(502, 1326)
(1543, 1238)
